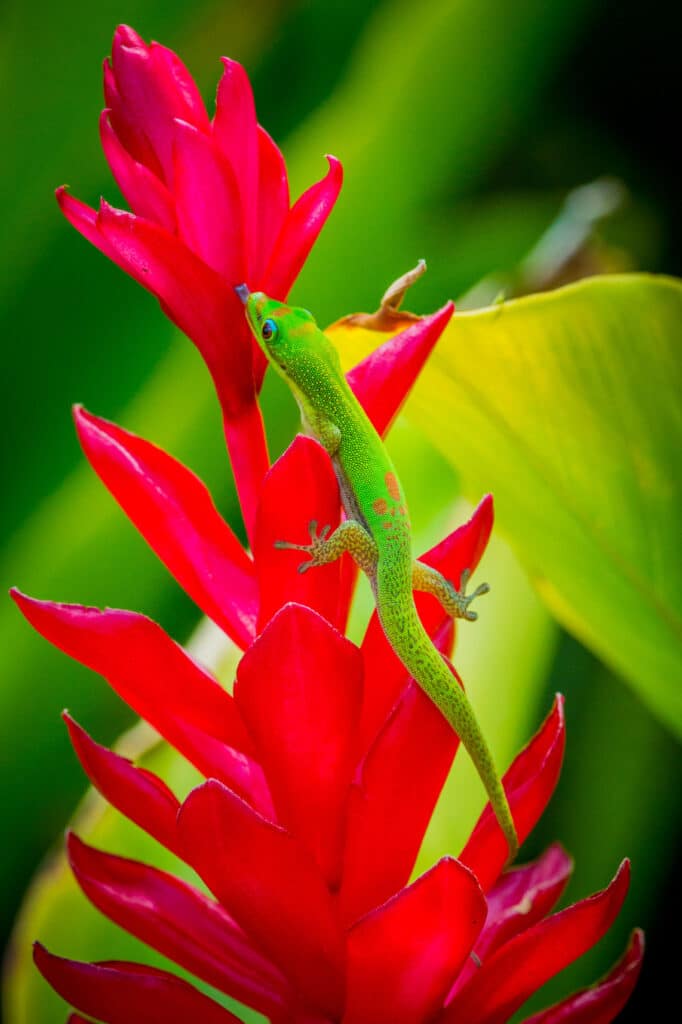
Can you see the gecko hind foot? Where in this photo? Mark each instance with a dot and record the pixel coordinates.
(463, 600)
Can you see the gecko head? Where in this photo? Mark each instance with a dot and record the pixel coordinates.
(288, 336)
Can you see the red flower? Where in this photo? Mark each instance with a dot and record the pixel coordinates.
(323, 768)
(322, 773)
(210, 209)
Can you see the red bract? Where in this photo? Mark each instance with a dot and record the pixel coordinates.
(210, 209)
(322, 771)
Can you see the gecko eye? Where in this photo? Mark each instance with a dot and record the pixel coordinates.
(268, 330)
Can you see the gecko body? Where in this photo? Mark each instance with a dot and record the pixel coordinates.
(377, 529)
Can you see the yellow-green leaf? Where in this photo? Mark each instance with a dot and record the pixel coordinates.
(567, 406)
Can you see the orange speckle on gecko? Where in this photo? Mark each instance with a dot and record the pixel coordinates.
(392, 486)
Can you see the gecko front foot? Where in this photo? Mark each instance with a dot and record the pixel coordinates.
(318, 548)
(463, 600)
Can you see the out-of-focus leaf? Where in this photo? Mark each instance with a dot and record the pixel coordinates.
(618, 795)
(416, 127)
(566, 406)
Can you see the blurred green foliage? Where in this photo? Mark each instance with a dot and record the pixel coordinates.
(462, 124)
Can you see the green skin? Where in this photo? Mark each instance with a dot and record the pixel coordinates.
(377, 529)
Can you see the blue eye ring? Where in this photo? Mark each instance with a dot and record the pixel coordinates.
(268, 330)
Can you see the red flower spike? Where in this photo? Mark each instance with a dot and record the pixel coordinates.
(168, 915)
(521, 898)
(300, 230)
(461, 550)
(270, 884)
(402, 957)
(135, 792)
(519, 967)
(299, 690)
(161, 683)
(529, 783)
(384, 379)
(392, 800)
(318, 793)
(119, 993)
(601, 1003)
(210, 206)
(175, 514)
(305, 471)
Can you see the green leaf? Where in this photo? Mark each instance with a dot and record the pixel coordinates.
(566, 406)
(417, 127)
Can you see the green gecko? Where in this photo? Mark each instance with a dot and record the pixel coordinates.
(376, 531)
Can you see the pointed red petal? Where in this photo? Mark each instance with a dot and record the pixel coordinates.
(235, 134)
(270, 884)
(273, 207)
(84, 219)
(124, 123)
(193, 295)
(299, 690)
(145, 193)
(160, 682)
(180, 922)
(521, 898)
(273, 199)
(186, 96)
(519, 967)
(403, 956)
(384, 379)
(175, 514)
(122, 993)
(392, 800)
(529, 783)
(208, 204)
(135, 792)
(386, 675)
(154, 88)
(303, 224)
(300, 487)
(463, 548)
(601, 1003)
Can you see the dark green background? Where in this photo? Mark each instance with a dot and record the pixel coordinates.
(567, 92)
